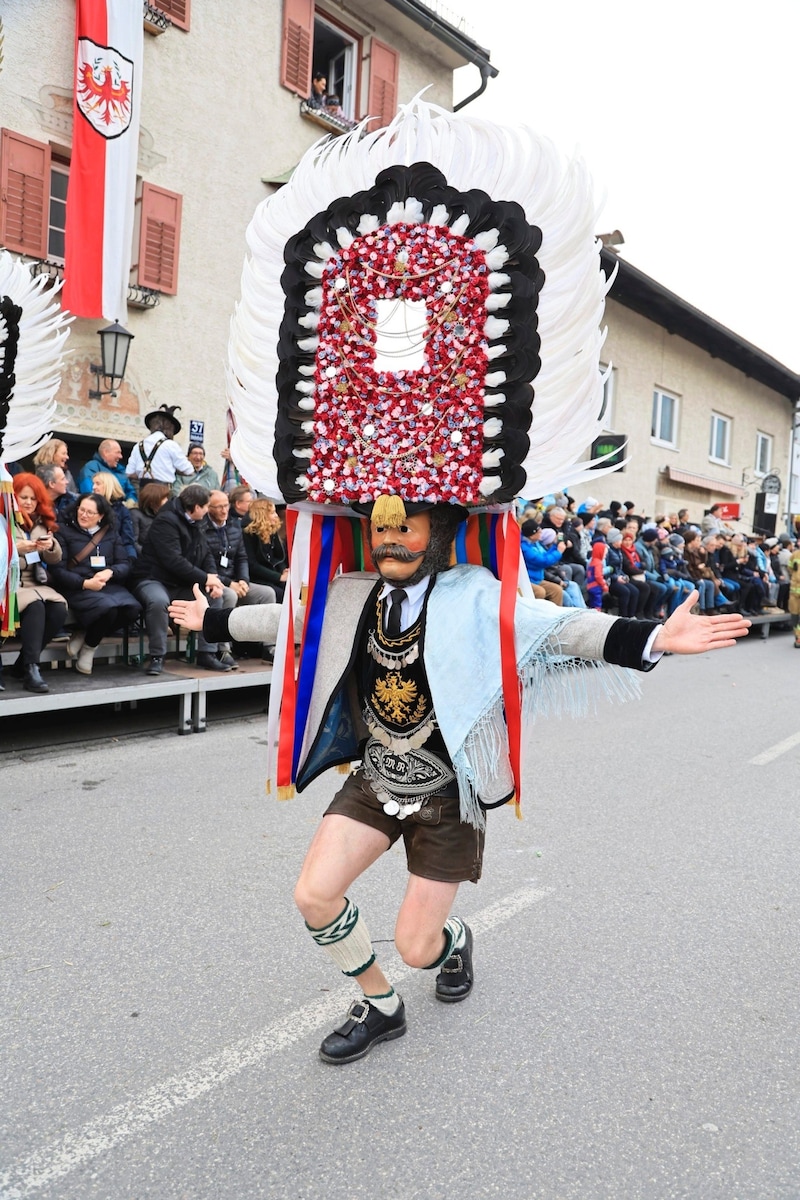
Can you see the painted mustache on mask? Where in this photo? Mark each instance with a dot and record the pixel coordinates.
(399, 553)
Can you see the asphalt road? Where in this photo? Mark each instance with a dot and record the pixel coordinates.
(633, 1032)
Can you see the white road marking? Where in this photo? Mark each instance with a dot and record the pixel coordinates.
(776, 751)
(53, 1162)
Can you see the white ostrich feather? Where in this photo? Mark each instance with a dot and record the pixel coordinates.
(43, 331)
(508, 164)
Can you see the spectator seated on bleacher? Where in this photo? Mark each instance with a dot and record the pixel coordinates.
(537, 557)
(54, 479)
(204, 473)
(674, 566)
(105, 484)
(174, 558)
(241, 499)
(620, 587)
(572, 561)
(226, 543)
(92, 574)
(265, 549)
(780, 573)
(596, 582)
(42, 610)
(55, 453)
(649, 595)
(107, 457)
(647, 549)
(707, 585)
(740, 566)
(152, 498)
(719, 557)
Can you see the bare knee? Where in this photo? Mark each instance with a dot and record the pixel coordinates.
(419, 948)
(317, 905)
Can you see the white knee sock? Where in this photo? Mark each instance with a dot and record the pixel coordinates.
(347, 940)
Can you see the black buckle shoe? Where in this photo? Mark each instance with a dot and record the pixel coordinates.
(364, 1027)
(454, 981)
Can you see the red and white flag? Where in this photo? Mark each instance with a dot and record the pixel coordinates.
(109, 42)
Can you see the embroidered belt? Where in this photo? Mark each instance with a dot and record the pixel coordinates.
(404, 782)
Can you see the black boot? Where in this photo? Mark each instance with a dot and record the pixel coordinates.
(32, 680)
(454, 981)
(364, 1027)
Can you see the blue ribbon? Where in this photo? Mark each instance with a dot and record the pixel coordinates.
(493, 567)
(313, 630)
(461, 543)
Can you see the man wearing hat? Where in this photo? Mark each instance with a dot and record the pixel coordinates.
(158, 456)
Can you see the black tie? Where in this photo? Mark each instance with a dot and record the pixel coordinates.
(396, 598)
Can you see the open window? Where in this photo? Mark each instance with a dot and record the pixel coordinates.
(335, 52)
(314, 42)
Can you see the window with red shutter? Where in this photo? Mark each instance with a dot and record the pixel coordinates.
(24, 194)
(177, 10)
(298, 28)
(159, 222)
(384, 70)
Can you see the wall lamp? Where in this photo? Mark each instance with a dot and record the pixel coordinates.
(115, 342)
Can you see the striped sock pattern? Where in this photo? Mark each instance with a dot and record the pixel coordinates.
(346, 940)
(455, 935)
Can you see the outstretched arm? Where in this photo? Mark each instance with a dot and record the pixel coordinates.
(189, 613)
(683, 633)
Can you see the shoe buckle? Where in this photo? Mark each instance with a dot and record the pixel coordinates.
(359, 1011)
(446, 970)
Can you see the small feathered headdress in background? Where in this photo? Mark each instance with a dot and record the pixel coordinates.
(33, 331)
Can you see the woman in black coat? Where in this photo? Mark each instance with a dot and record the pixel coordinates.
(92, 574)
(266, 553)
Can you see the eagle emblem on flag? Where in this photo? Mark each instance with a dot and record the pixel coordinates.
(104, 88)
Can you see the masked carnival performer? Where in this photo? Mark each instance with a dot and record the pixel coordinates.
(416, 345)
(33, 330)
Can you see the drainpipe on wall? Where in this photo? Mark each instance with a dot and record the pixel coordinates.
(444, 32)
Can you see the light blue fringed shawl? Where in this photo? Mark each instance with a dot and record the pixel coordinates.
(462, 661)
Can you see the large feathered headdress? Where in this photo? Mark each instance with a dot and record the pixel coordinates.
(33, 330)
(419, 323)
(420, 314)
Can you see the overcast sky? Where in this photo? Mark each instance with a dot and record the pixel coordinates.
(687, 114)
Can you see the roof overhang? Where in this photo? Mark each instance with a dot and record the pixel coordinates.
(637, 291)
(706, 482)
(459, 48)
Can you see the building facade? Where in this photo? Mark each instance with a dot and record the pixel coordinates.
(706, 416)
(223, 122)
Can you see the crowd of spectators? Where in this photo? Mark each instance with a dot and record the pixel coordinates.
(110, 553)
(113, 551)
(617, 559)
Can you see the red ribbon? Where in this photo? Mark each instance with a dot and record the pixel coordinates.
(508, 552)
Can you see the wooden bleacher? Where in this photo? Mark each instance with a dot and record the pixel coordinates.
(118, 679)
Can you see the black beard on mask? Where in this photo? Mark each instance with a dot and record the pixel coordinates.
(445, 520)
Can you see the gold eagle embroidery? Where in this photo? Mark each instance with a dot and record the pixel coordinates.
(394, 696)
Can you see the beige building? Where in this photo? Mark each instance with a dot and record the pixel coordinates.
(706, 415)
(223, 121)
